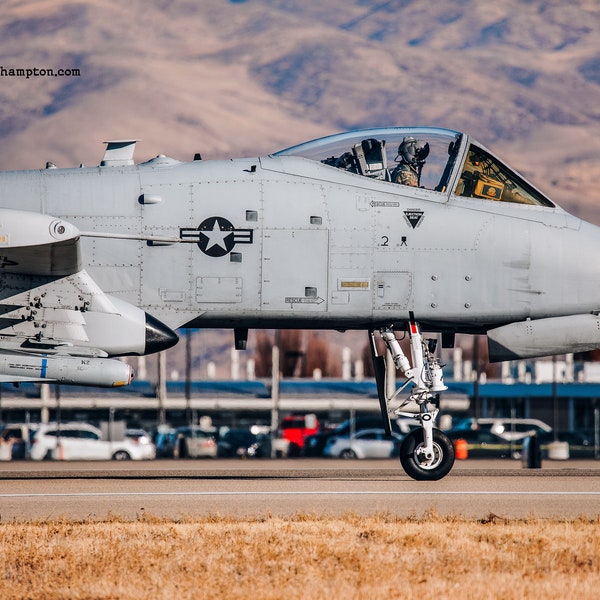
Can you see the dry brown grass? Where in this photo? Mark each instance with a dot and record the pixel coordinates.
(305, 556)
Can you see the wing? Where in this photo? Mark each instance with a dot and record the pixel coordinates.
(36, 244)
(56, 324)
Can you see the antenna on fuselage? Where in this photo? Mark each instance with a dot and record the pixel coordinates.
(118, 153)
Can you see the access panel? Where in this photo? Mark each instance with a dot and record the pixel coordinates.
(295, 264)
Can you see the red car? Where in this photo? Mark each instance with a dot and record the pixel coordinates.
(296, 428)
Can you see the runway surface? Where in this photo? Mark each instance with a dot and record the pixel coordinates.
(254, 488)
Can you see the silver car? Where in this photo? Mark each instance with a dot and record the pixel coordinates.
(195, 442)
(367, 443)
(507, 428)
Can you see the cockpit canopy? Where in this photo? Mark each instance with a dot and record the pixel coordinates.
(484, 176)
(453, 161)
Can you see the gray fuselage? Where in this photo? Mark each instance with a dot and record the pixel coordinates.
(287, 242)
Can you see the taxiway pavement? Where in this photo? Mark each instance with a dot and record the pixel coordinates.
(255, 488)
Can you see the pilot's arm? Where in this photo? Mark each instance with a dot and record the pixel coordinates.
(404, 175)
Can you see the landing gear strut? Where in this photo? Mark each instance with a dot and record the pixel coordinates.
(426, 454)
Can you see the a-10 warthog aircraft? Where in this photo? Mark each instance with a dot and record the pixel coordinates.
(386, 230)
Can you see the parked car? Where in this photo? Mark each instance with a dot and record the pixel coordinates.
(195, 442)
(367, 443)
(15, 440)
(314, 445)
(507, 428)
(164, 438)
(142, 439)
(82, 441)
(295, 429)
(485, 444)
(243, 443)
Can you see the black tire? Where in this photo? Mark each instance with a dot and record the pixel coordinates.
(440, 466)
(293, 450)
(121, 455)
(348, 453)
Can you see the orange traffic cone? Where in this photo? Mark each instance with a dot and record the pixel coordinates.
(461, 449)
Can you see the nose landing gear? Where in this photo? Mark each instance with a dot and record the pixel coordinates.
(426, 454)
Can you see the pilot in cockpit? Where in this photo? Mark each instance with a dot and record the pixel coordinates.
(411, 158)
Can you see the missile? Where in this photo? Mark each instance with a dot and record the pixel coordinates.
(544, 337)
(73, 370)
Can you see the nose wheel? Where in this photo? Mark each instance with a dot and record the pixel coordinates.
(426, 454)
(421, 465)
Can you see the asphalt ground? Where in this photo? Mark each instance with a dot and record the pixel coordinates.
(254, 488)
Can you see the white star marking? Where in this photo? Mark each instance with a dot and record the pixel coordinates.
(216, 237)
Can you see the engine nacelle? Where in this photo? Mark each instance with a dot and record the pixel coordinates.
(73, 370)
(544, 337)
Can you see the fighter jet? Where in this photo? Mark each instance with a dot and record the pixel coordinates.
(388, 230)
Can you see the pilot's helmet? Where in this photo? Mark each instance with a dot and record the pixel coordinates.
(413, 151)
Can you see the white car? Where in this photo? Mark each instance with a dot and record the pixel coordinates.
(142, 444)
(367, 443)
(507, 428)
(81, 441)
